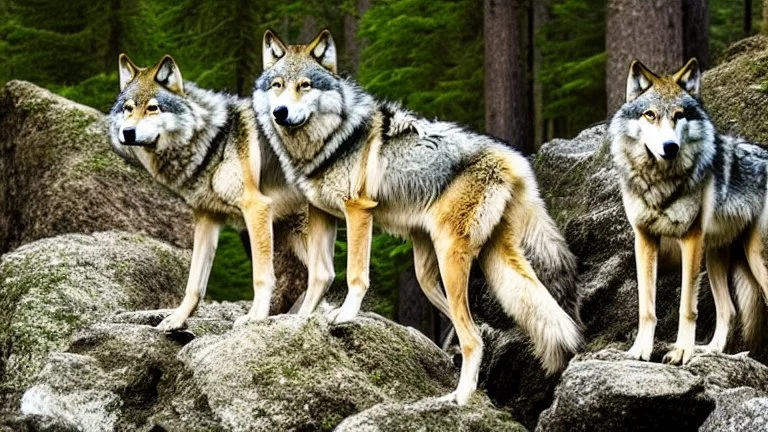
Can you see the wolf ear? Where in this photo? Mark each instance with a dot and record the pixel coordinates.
(168, 75)
(323, 50)
(127, 70)
(640, 79)
(272, 50)
(689, 77)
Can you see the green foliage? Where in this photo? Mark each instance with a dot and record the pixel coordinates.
(726, 23)
(427, 54)
(390, 256)
(231, 274)
(572, 44)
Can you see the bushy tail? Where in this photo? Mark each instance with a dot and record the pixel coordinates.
(552, 260)
(555, 334)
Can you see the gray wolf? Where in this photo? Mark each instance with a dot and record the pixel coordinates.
(203, 145)
(457, 195)
(682, 181)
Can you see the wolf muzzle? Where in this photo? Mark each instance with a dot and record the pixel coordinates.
(129, 139)
(671, 149)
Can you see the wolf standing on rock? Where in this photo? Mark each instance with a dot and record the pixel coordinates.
(203, 145)
(682, 180)
(456, 194)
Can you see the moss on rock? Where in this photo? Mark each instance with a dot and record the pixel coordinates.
(51, 288)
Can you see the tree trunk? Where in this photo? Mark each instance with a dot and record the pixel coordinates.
(540, 16)
(115, 33)
(508, 88)
(747, 17)
(352, 44)
(696, 32)
(765, 16)
(309, 29)
(648, 30)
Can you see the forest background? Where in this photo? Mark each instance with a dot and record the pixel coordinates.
(525, 71)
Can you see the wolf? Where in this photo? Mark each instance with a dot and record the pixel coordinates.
(683, 181)
(203, 145)
(457, 195)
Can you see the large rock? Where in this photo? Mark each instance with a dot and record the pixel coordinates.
(61, 176)
(735, 92)
(285, 373)
(51, 288)
(604, 391)
(742, 409)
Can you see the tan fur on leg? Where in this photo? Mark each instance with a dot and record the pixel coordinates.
(322, 239)
(646, 259)
(428, 272)
(359, 236)
(691, 249)
(718, 262)
(455, 259)
(203, 251)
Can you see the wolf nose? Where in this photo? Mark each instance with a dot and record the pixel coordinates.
(129, 135)
(281, 114)
(670, 150)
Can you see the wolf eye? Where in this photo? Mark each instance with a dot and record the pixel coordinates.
(678, 116)
(152, 108)
(305, 85)
(277, 85)
(128, 108)
(650, 115)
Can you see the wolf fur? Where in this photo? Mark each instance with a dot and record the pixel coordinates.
(457, 195)
(203, 145)
(682, 180)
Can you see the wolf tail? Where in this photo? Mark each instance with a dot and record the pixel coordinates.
(551, 259)
(508, 265)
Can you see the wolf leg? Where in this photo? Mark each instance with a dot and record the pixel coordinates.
(691, 248)
(203, 251)
(257, 213)
(322, 238)
(455, 258)
(359, 236)
(718, 262)
(646, 257)
(754, 252)
(428, 272)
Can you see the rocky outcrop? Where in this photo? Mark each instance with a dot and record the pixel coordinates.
(605, 391)
(285, 373)
(51, 288)
(60, 175)
(735, 92)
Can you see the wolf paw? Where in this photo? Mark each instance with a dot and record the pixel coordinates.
(174, 321)
(243, 320)
(677, 356)
(639, 352)
(342, 315)
(456, 397)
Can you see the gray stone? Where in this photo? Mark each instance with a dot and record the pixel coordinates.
(51, 288)
(61, 176)
(606, 391)
(742, 409)
(431, 415)
(284, 373)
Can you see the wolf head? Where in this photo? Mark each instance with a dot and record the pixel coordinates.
(149, 105)
(662, 113)
(300, 82)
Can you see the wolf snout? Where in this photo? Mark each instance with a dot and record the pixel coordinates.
(670, 150)
(129, 136)
(281, 115)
